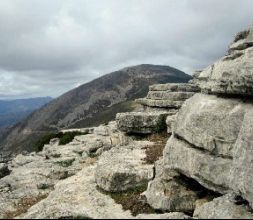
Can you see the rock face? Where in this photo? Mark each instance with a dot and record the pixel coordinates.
(212, 139)
(233, 73)
(211, 123)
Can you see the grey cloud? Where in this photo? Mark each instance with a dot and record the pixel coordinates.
(48, 47)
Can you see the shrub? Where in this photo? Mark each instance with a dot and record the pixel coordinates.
(64, 138)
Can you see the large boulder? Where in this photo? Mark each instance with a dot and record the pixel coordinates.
(233, 74)
(141, 123)
(170, 196)
(225, 207)
(211, 123)
(210, 171)
(123, 168)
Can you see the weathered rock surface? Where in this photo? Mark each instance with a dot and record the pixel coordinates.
(160, 103)
(167, 95)
(211, 123)
(175, 87)
(210, 171)
(141, 123)
(123, 168)
(77, 197)
(242, 169)
(170, 120)
(170, 196)
(223, 208)
(34, 176)
(232, 74)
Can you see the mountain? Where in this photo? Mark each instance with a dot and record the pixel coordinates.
(101, 98)
(13, 111)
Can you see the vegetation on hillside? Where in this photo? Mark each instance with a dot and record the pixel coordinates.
(64, 138)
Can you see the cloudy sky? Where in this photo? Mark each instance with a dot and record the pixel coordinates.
(50, 46)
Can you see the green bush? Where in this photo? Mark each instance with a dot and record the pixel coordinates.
(64, 138)
(161, 125)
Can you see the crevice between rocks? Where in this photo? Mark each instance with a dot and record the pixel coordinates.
(202, 150)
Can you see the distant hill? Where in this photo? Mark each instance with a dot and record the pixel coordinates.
(13, 111)
(93, 103)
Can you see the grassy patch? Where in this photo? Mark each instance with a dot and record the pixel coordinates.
(23, 206)
(154, 152)
(64, 138)
(130, 200)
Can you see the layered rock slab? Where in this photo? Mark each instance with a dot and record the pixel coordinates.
(141, 123)
(232, 74)
(123, 168)
(211, 123)
(210, 171)
(175, 87)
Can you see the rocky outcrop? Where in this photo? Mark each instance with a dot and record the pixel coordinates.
(233, 73)
(212, 138)
(162, 101)
(168, 96)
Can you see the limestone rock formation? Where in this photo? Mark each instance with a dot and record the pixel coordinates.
(123, 168)
(141, 123)
(233, 73)
(212, 138)
(170, 196)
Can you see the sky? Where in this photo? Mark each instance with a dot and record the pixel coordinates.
(49, 47)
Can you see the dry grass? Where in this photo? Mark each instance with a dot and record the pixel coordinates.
(154, 152)
(23, 206)
(132, 200)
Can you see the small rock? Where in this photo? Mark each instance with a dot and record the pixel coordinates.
(123, 168)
